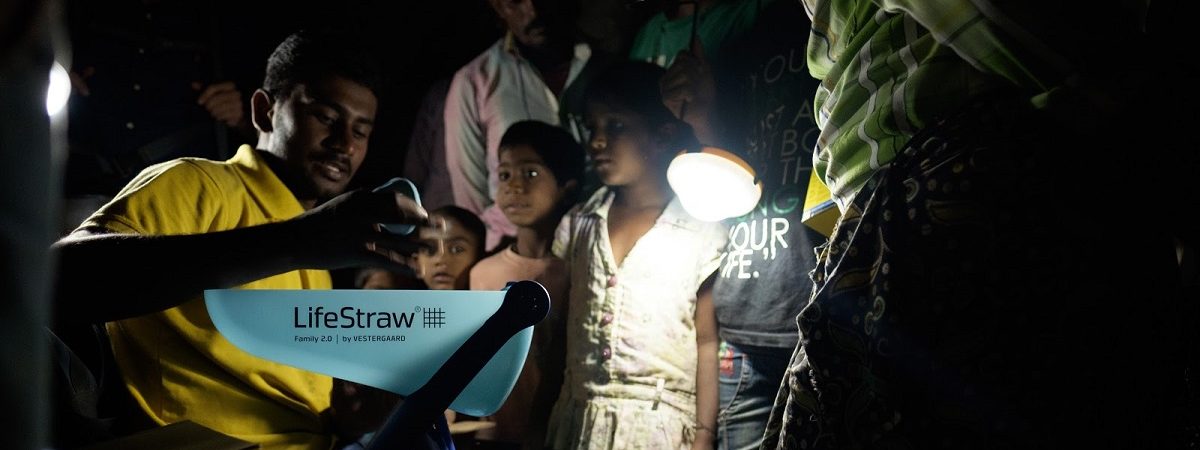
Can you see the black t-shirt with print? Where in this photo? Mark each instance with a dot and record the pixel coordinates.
(766, 96)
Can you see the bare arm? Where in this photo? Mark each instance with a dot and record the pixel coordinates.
(706, 368)
(550, 336)
(688, 89)
(103, 276)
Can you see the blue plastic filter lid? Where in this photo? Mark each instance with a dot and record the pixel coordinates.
(390, 339)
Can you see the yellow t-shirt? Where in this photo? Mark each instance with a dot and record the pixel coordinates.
(175, 363)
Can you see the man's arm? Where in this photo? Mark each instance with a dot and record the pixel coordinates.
(103, 276)
(706, 368)
(428, 135)
(466, 146)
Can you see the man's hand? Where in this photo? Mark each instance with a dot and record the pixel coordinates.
(690, 80)
(346, 231)
(688, 89)
(222, 101)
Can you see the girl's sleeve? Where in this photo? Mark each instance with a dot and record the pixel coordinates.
(563, 237)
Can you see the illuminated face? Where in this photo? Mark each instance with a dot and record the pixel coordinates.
(621, 147)
(320, 131)
(451, 252)
(528, 193)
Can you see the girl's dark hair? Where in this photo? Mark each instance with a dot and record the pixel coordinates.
(469, 221)
(312, 55)
(632, 85)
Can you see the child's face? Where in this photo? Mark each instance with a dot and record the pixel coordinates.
(622, 146)
(452, 251)
(379, 279)
(528, 191)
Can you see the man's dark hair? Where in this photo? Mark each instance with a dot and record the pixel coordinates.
(469, 221)
(562, 155)
(311, 55)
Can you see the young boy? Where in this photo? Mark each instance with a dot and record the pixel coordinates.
(450, 251)
(637, 263)
(452, 246)
(540, 171)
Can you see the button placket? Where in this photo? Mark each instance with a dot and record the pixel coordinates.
(606, 319)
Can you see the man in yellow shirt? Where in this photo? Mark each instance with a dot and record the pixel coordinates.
(272, 217)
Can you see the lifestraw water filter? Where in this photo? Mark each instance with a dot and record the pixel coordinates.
(390, 339)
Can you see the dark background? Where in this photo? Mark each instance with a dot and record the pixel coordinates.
(418, 43)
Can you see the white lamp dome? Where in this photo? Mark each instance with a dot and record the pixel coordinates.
(713, 184)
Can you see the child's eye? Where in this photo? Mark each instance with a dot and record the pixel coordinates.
(362, 133)
(503, 176)
(531, 173)
(456, 249)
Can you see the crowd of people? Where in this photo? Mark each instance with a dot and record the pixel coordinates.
(975, 293)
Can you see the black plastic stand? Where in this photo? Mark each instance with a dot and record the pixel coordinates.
(414, 423)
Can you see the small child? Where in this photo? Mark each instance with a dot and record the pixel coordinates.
(376, 278)
(637, 263)
(451, 250)
(541, 168)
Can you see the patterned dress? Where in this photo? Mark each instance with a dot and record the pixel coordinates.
(631, 360)
(958, 307)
